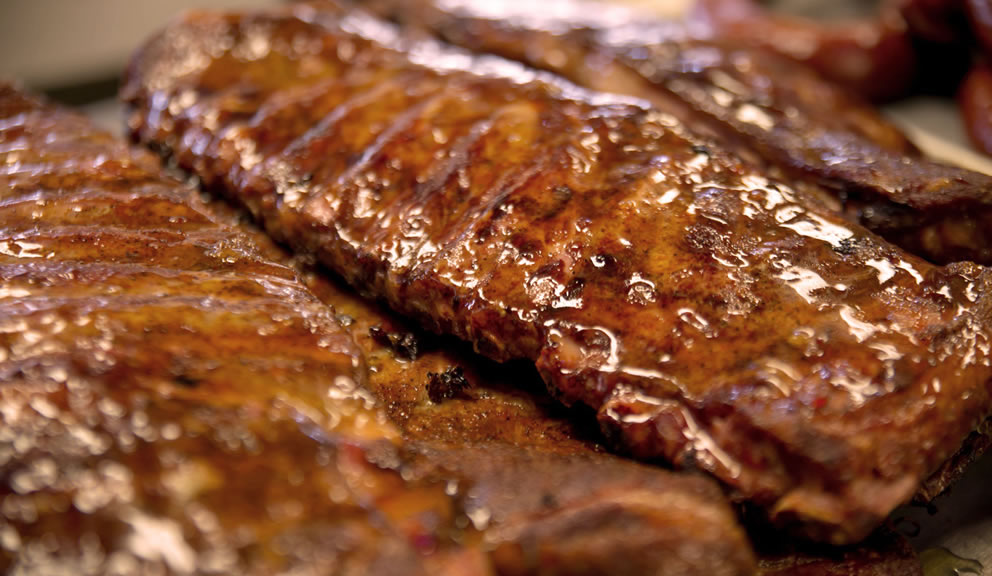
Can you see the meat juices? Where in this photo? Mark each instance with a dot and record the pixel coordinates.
(817, 370)
(175, 400)
(766, 108)
(535, 471)
(750, 102)
(142, 427)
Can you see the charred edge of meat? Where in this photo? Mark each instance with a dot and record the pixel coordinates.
(887, 551)
(977, 444)
(447, 385)
(404, 345)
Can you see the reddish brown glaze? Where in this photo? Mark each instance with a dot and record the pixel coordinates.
(769, 110)
(570, 37)
(711, 316)
(148, 425)
(586, 514)
(504, 403)
(546, 497)
(174, 400)
(523, 466)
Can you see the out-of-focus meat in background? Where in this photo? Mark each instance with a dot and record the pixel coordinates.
(53, 44)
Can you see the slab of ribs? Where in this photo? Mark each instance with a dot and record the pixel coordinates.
(767, 109)
(175, 398)
(180, 395)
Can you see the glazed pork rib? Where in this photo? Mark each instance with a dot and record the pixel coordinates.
(711, 316)
(792, 121)
(575, 496)
(747, 99)
(173, 399)
(146, 424)
(492, 429)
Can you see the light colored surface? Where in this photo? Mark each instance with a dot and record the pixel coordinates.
(107, 114)
(46, 43)
(936, 127)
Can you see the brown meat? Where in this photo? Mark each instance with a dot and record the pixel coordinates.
(522, 462)
(711, 316)
(747, 99)
(885, 553)
(147, 426)
(505, 403)
(573, 38)
(558, 40)
(976, 445)
(175, 400)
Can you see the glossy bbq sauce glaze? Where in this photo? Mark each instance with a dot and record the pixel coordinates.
(771, 111)
(534, 471)
(814, 368)
(147, 426)
(175, 400)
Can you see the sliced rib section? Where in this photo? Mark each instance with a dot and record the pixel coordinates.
(174, 400)
(765, 107)
(712, 316)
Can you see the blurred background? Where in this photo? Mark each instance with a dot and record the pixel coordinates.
(63, 45)
(75, 49)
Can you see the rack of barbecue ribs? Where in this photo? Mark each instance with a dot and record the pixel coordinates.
(492, 429)
(174, 399)
(766, 108)
(141, 430)
(769, 111)
(710, 315)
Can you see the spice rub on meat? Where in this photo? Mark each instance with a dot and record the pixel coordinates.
(536, 474)
(147, 425)
(767, 108)
(816, 369)
(174, 400)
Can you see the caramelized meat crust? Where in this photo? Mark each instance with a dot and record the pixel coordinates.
(175, 400)
(540, 481)
(748, 99)
(885, 553)
(147, 424)
(767, 110)
(711, 316)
